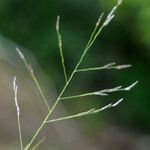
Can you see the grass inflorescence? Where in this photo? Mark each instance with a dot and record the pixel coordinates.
(100, 25)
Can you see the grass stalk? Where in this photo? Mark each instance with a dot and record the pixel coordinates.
(96, 32)
(89, 112)
(29, 68)
(60, 47)
(15, 87)
(108, 66)
(38, 144)
(103, 92)
(59, 97)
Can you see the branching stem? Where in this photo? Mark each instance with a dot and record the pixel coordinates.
(97, 30)
(59, 97)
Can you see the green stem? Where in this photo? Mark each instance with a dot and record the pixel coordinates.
(38, 144)
(20, 134)
(50, 112)
(93, 37)
(58, 99)
(37, 132)
(95, 29)
(40, 90)
(60, 48)
(29, 67)
(77, 96)
(92, 69)
(89, 112)
(71, 116)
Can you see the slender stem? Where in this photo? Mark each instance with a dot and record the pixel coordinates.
(93, 37)
(89, 112)
(29, 67)
(95, 29)
(15, 87)
(37, 132)
(20, 134)
(50, 112)
(38, 144)
(110, 16)
(77, 96)
(41, 92)
(119, 67)
(58, 99)
(103, 92)
(75, 69)
(60, 48)
(71, 116)
(91, 69)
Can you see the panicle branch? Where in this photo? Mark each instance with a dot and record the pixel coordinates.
(96, 32)
(29, 67)
(108, 66)
(103, 92)
(38, 144)
(86, 113)
(15, 87)
(60, 47)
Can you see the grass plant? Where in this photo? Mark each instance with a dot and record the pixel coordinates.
(100, 25)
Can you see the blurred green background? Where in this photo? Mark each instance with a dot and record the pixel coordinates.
(31, 23)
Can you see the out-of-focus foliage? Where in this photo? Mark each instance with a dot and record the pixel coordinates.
(31, 23)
